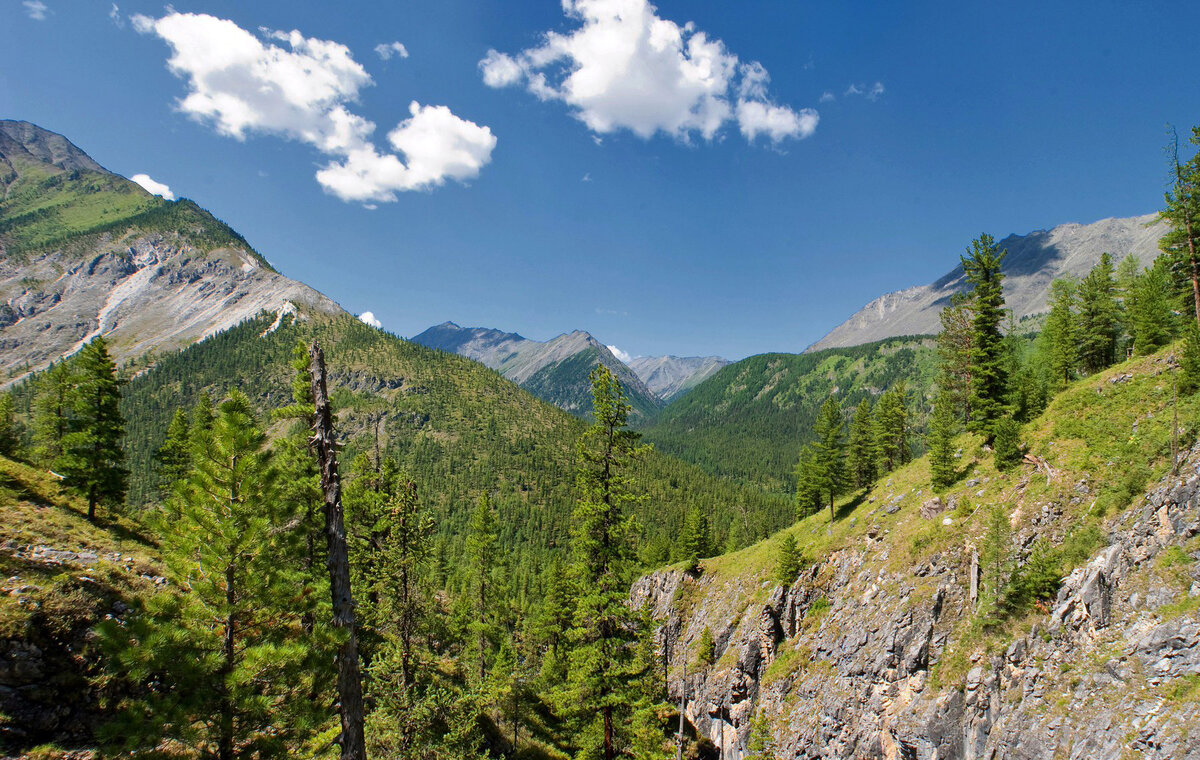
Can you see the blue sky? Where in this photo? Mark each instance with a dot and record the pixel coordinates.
(729, 222)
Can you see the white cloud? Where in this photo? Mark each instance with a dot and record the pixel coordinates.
(625, 67)
(152, 186)
(387, 50)
(623, 356)
(368, 317)
(115, 16)
(301, 90)
(870, 92)
(36, 9)
(587, 177)
(828, 97)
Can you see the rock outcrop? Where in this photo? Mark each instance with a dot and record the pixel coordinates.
(854, 659)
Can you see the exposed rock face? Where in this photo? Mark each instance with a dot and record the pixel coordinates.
(669, 377)
(1033, 262)
(142, 293)
(555, 370)
(1111, 670)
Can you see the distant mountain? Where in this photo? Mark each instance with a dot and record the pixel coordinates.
(555, 370)
(1033, 262)
(669, 377)
(85, 252)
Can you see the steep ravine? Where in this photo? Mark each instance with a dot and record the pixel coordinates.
(1111, 670)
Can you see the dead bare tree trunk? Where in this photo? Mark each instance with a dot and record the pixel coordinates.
(349, 682)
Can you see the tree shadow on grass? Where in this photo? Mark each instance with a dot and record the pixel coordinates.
(846, 509)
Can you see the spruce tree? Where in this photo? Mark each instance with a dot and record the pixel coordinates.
(706, 649)
(221, 668)
(989, 380)
(830, 449)
(1189, 360)
(942, 429)
(862, 456)
(601, 678)
(1099, 317)
(92, 462)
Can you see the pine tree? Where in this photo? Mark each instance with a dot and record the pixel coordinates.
(51, 410)
(789, 560)
(1007, 444)
(174, 457)
(830, 447)
(92, 462)
(11, 431)
(989, 381)
(1183, 213)
(808, 488)
(696, 539)
(954, 353)
(1099, 317)
(706, 650)
(863, 458)
(1189, 361)
(1151, 321)
(552, 624)
(1060, 336)
(942, 429)
(994, 558)
(218, 667)
(482, 546)
(891, 428)
(601, 680)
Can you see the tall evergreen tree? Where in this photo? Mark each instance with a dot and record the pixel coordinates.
(92, 462)
(942, 428)
(830, 448)
(1183, 213)
(891, 428)
(789, 560)
(1060, 336)
(602, 675)
(174, 457)
(696, 539)
(863, 457)
(954, 353)
(1099, 317)
(219, 667)
(482, 546)
(808, 491)
(51, 411)
(1151, 321)
(11, 431)
(989, 381)
(1189, 360)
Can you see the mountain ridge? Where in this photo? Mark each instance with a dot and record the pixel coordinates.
(1034, 261)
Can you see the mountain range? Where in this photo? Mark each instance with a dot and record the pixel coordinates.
(1032, 263)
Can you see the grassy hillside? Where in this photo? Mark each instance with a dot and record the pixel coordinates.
(748, 421)
(456, 426)
(62, 575)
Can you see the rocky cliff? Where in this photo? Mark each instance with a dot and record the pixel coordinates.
(669, 377)
(883, 647)
(1032, 263)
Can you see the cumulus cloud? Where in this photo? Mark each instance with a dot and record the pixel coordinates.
(36, 9)
(300, 88)
(153, 187)
(368, 317)
(625, 67)
(622, 355)
(387, 50)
